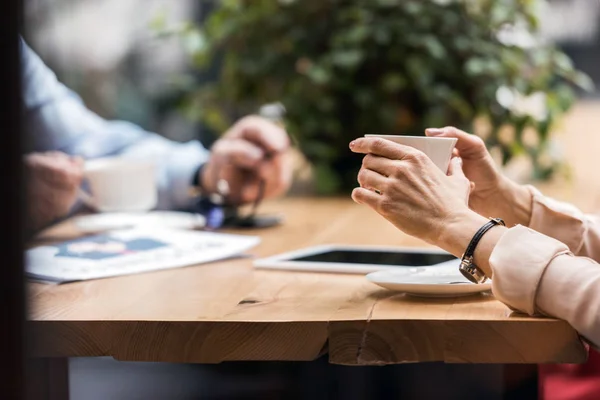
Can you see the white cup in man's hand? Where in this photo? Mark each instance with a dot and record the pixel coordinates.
(438, 149)
(120, 185)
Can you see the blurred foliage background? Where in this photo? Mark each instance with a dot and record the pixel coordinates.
(343, 69)
(186, 69)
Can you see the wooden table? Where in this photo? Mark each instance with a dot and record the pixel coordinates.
(228, 311)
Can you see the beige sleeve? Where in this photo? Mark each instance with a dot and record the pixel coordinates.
(566, 223)
(536, 271)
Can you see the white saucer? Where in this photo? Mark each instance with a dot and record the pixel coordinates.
(168, 219)
(425, 284)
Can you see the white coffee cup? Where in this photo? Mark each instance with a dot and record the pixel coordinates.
(438, 149)
(120, 185)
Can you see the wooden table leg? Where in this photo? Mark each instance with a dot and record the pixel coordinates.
(47, 379)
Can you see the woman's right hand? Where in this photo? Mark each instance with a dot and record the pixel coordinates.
(493, 194)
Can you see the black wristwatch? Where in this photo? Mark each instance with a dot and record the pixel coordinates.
(467, 267)
(196, 188)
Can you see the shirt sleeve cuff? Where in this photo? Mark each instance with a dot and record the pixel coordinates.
(518, 263)
(557, 219)
(181, 169)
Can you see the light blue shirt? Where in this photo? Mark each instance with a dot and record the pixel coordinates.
(56, 119)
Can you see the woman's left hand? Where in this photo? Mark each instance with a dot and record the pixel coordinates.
(409, 190)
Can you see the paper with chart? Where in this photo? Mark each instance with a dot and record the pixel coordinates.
(130, 251)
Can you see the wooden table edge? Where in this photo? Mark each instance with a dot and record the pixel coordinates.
(348, 342)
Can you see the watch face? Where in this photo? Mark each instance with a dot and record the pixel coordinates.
(471, 272)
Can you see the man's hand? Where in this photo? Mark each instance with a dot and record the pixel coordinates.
(53, 179)
(252, 150)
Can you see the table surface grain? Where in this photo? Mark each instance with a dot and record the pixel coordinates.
(228, 311)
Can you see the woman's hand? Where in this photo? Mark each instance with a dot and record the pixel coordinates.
(405, 186)
(493, 194)
(409, 190)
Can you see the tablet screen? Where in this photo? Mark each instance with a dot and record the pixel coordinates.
(376, 257)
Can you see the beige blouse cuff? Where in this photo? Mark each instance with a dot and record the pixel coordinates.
(519, 261)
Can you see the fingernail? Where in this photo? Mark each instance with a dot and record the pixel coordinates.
(352, 143)
(434, 131)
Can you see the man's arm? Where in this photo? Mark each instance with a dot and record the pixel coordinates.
(57, 119)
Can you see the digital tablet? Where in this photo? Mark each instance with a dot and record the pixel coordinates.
(357, 259)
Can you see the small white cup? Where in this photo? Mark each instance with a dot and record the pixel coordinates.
(120, 185)
(438, 149)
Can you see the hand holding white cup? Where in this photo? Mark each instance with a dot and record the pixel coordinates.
(407, 187)
(119, 185)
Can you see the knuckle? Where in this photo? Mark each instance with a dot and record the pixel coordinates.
(62, 175)
(362, 175)
(399, 169)
(386, 187)
(478, 142)
(385, 205)
(369, 161)
(417, 156)
(378, 144)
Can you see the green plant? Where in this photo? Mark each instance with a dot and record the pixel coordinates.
(346, 68)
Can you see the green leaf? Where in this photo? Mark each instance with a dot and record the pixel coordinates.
(347, 58)
(318, 74)
(434, 47)
(327, 181)
(393, 82)
(583, 81)
(563, 61)
(319, 150)
(194, 41)
(475, 67)
(357, 34)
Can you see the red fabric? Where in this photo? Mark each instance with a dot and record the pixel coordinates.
(571, 382)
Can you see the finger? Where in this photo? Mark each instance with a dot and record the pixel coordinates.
(251, 190)
(78, 161)
(56, 154)
(372, 180)
(263, 133)
(381, 147)
(455, 152)
(364, 196)
(65, 179)
(239, 152)
(381, 165)
(468, 145)
(277, 173)
(59, 172)
(455, 167)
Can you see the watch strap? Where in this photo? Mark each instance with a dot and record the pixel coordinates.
(467, 265)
